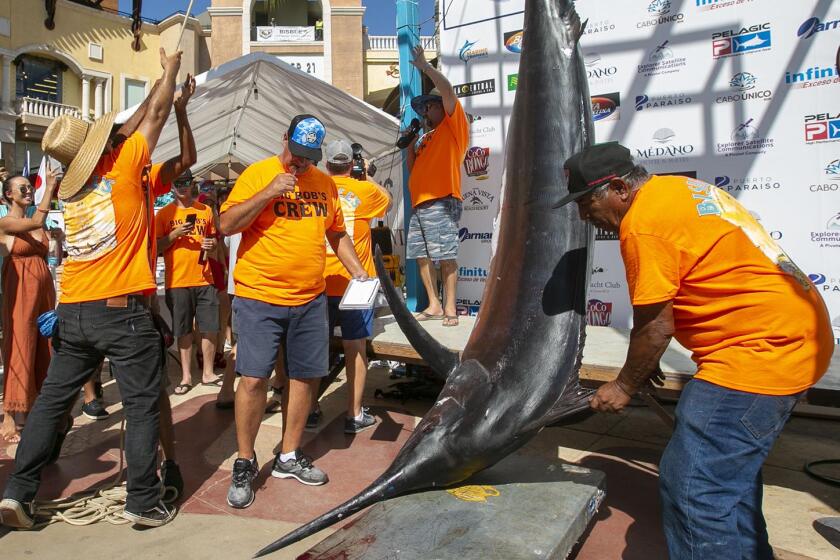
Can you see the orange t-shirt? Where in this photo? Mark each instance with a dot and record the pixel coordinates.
(108, 229)
(361, 201)
(158, 188)
(281, 255)
(752, 319)
(181, 258)
(437, 168)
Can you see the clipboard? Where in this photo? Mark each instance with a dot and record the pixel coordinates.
(360, 294)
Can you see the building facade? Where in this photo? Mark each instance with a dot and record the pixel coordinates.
(85, 66)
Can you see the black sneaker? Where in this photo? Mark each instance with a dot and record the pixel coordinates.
(173, 482)
(240, 494)
(94, 410)
(313, 419)
(20, 515)
(300, 468)
(353, 426)
(159, 515)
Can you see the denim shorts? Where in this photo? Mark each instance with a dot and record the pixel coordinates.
(263, 328)
(355, 323)
(433, 229)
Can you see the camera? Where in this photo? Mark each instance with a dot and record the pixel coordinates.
(358, 171)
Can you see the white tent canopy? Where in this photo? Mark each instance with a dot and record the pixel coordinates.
(241, 109)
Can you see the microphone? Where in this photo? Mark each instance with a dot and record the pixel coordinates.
(413, 128)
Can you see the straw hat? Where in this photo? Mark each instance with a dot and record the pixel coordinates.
(78, 146)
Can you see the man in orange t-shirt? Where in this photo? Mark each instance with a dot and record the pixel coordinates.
(361, 201)
(186, 236)
(434, 162)
(284, 207)
(701, 268)
(103, 311)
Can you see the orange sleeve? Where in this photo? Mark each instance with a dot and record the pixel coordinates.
(242, 190)
(460, 127)
(134, 155)
(338, 215)
(374, 203)
(653, 268)
(156, 181)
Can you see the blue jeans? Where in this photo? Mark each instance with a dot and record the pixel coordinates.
(87, 333)
(710, 472)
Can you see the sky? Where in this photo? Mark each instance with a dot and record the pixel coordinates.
(380, 16)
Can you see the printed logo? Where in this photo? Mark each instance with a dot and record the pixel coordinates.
(598, 313)
(513, 41)
(601, 26)
(605, 107)
(643, 101)
(832, 173)
(467, 306)
(706, 5)
(734, 42)
(475, 88)
(821, 128)
(473, 118)
(814, 76)
(596, 71)
(833, 169)
(812, 26)
(661, 61)
(481, 130)
(512, 81)
(665, 148)
(659, 12)
(604, 235)
(476, 162)
(745, 139)
(603, 286)
(744, 85)
(829, 237)
(477, 199)
(467, 52)
(825, 283)
(740, 184)
(464, 234)
(472, 274)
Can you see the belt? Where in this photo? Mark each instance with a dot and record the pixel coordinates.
(125, 299)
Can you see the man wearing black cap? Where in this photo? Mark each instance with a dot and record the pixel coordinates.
(434, 162)
(700, 267)
(284, 207)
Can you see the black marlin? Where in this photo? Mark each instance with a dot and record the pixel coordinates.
(519, 370)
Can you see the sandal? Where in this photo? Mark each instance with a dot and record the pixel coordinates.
(215, 383)
(183, 389)
(423, 316)
(450, 321)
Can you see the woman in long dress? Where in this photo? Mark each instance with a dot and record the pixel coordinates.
(28, 291)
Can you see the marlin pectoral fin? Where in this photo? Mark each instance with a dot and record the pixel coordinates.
(440, 358)
(574, 399)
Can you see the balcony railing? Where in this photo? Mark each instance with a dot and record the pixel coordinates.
(389, 43)
(46, 109)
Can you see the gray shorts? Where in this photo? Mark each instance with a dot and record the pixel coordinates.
(198, 303)
(302, 330)
(433, 230)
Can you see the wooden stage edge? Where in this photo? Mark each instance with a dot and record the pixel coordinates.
(604, 354)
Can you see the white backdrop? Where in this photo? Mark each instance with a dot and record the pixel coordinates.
(739, 93)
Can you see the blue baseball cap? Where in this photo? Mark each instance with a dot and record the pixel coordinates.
(306, 134)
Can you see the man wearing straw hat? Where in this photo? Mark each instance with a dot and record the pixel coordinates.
(103, 309)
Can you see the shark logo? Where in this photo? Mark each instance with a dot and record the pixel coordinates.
(833, 169)
(742, 81)
(750, 42)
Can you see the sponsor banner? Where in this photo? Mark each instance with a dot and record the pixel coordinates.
(741, 94)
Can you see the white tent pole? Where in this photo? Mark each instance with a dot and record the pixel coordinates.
(184, 25)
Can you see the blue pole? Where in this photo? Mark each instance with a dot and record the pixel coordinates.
(411, 85)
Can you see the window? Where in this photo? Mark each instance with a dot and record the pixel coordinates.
(39, 78)
(135, 92)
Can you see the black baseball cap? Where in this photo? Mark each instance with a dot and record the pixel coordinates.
(594, 166)
(306, 134)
